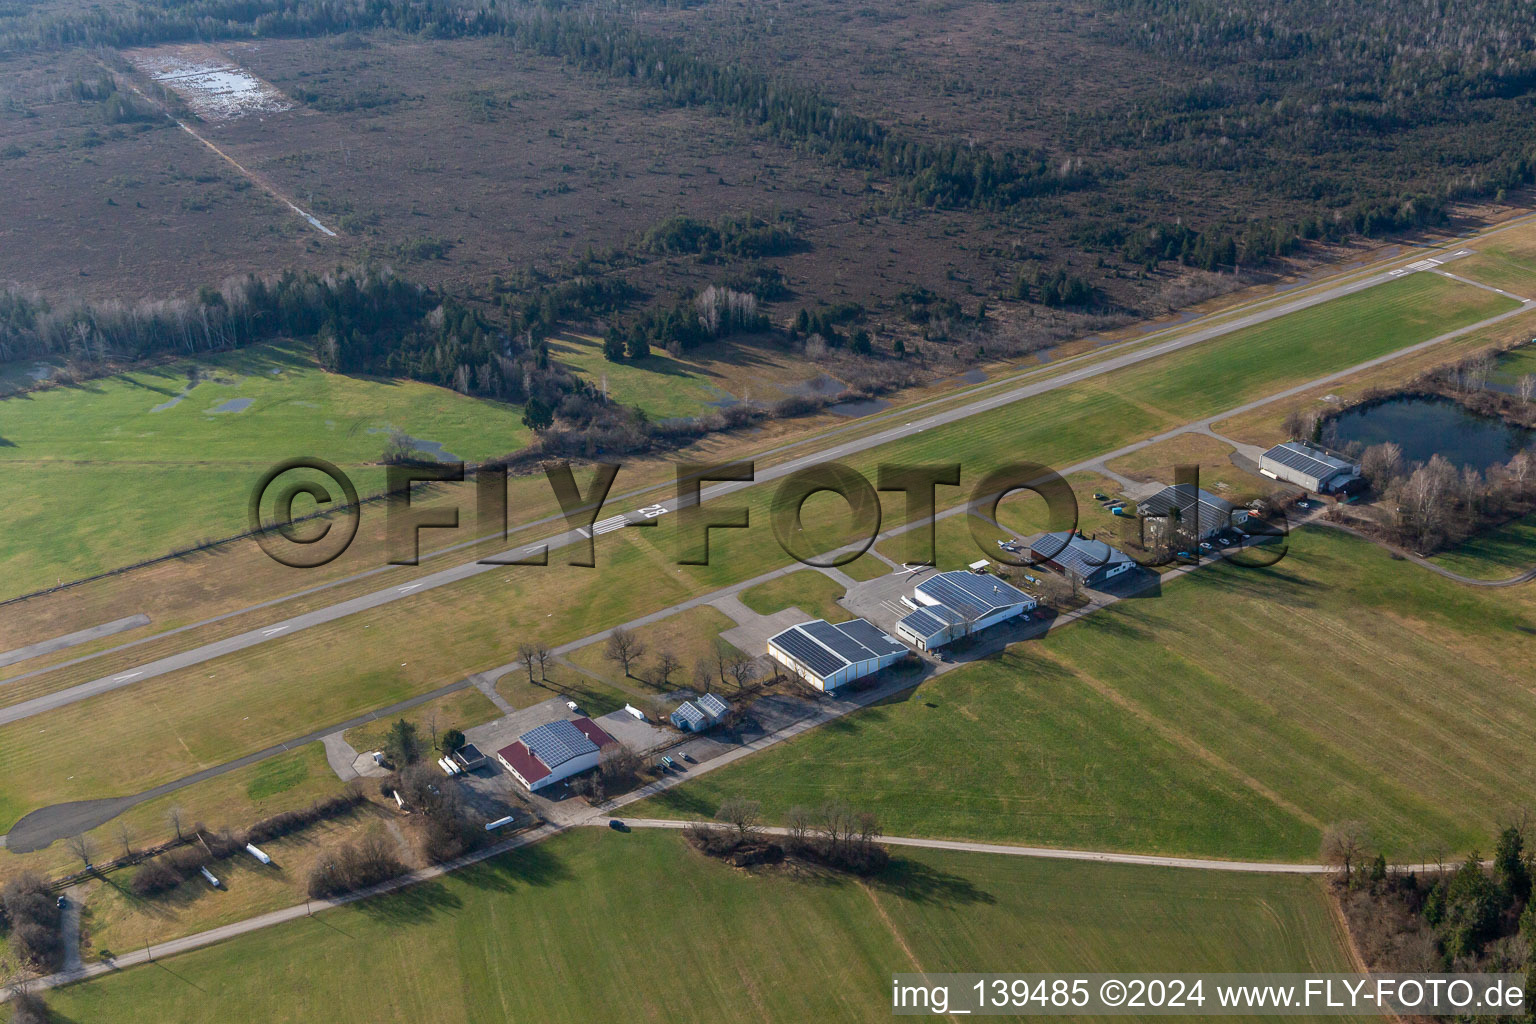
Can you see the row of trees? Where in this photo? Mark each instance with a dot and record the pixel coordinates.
(833, 834)
(1462, 917)
(723, 662)
(742, 236)
(1433, 505)
(203, 846)
(30, 914)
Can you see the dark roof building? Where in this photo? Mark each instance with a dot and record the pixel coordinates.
(1091, 562)
(689, 718)
(1192, 513)
(1309, 467)
(468, 756)
(829, 656)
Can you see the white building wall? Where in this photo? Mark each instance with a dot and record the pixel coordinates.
(575, 766)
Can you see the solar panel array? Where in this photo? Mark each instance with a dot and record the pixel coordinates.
(825, 649)
(843, 645)
(713, 705)
(799, 645)
(1304, 460)
(972, 594)
(689, 712)
(557, 742)
(922, 623)
(868, 634)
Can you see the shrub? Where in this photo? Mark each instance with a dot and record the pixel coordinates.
(27, 1007)
(355, 866)
(289, 822)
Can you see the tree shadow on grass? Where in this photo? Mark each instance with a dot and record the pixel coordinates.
(413, 905)
(682, 800)
(917, 882)
(531, 865)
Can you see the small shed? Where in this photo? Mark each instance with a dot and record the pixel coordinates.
(714, 707)
(689, 718)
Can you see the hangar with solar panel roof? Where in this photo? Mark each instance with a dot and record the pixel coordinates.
(830, 656)
(959, 603)
(1310, 467)
(554, 752)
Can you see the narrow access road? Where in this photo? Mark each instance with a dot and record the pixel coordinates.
(1040, 852)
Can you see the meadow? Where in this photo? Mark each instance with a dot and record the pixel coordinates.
(1234, 714)
(331, 673)
(112, 471)
(812, 592)
(521, 934)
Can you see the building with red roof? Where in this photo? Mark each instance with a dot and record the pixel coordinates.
(554, 752)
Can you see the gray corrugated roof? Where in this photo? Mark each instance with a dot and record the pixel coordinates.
(1308, 460)
(1214, 513)
(1082, 556)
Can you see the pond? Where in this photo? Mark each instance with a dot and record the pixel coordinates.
(1426, 426)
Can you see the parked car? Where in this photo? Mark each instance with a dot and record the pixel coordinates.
(617, 825)
(572, 705)
(687, 757)
(1206, 545)
(63, 900)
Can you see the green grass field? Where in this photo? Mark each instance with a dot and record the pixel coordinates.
(1496, 554)
(812, 592)
(1513, 365)
(94, 478)
(555, 933)
(1507, 262)
(155, 734)
(1233, 715)
(662, 386)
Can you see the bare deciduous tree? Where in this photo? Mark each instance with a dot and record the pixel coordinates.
(624, 647)
(742, 668)
(529, 655)
(1522, 468)
(1425, 500)
(542, 654)
(173, 818)
(125, 836)
(666, 664)
(741, 814)
(799, 821)
(1381, 465)
(1527, 387)
(1344, 845)
(80, 846)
